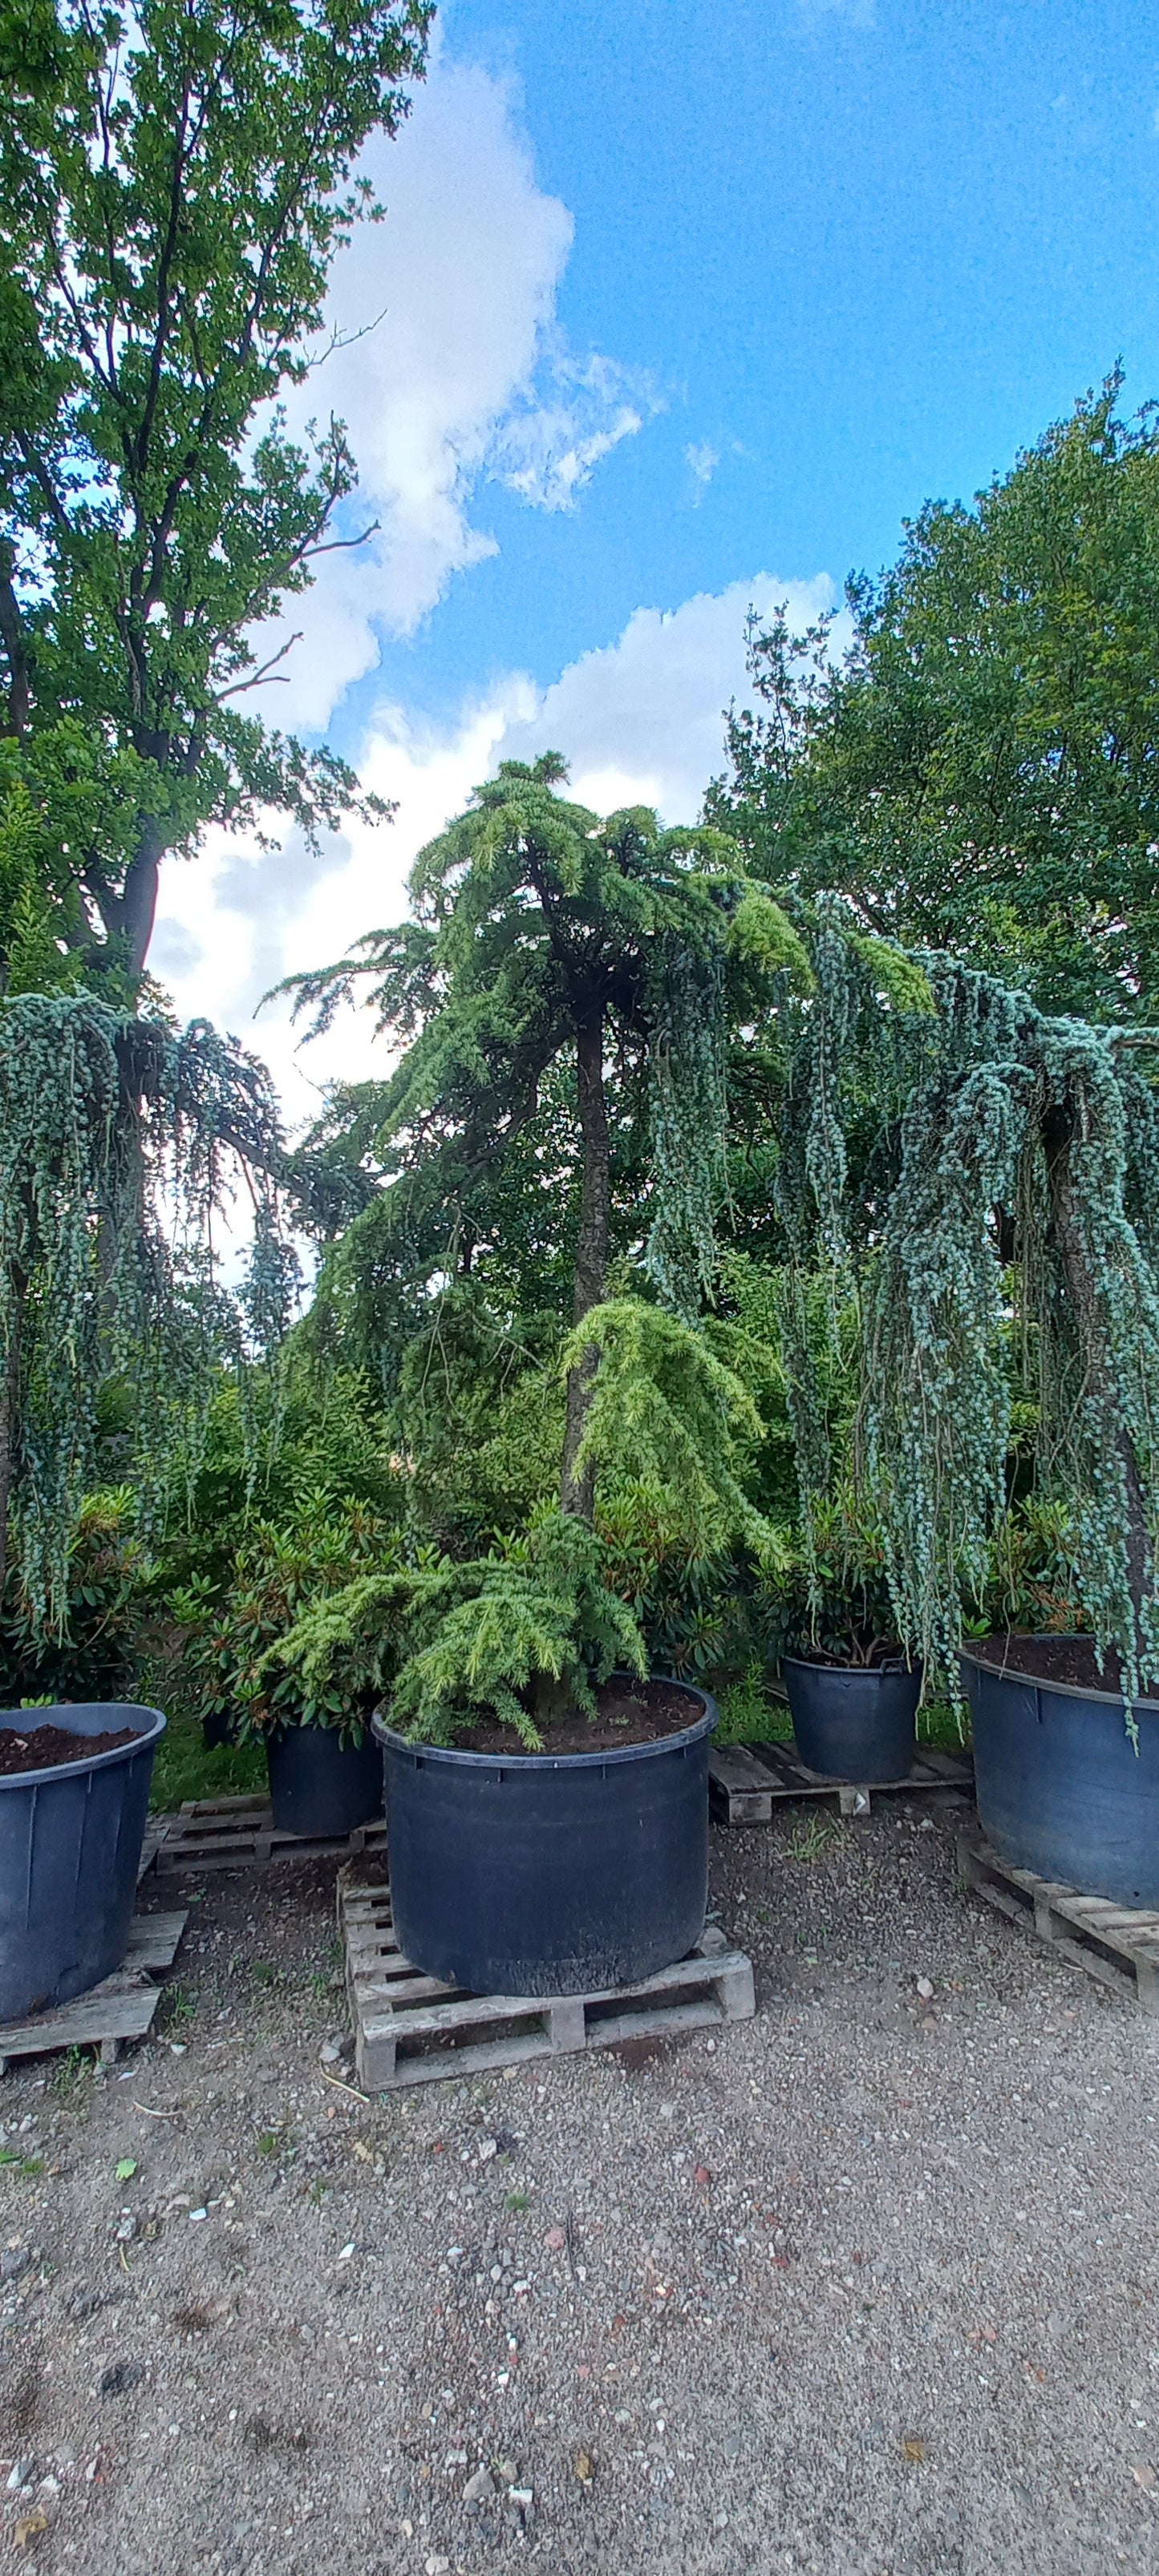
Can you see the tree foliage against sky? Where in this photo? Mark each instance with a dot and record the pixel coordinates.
(119, 1145)
(981, 772)
(544, 933)
(174, 185)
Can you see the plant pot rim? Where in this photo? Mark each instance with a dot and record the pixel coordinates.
(57, 1711)
(459, 1758)
(887, 1671)
(1041, 1681)
(261, 1735)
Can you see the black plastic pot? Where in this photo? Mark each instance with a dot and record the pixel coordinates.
(218, 1728)
(549, 1874)
(1060, 1787)
(853, 1721)
(70, 1849)
(320, 1784)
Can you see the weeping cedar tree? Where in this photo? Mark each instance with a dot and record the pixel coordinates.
(949, 1156)
(174, 184)
(118, 1141)
(1007, 1223)
(980, 771)
(540, 933)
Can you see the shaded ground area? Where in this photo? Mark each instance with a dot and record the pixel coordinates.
(866, 2285)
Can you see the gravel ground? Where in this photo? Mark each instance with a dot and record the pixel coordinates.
(867, 2284)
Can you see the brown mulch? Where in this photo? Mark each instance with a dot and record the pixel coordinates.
(44, 1746)
(1047, 1658)
(628, 1713)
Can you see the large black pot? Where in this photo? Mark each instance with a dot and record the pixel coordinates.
(549, 1874)
(218, 1727)
(1060, 1787)
(853, 1721)
(70, 1850)
(321, 1784)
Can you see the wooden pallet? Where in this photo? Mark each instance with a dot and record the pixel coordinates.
(156, 1831)
(410, 2029)
(1118, 1944)
(238, 1833)
(120, 2008)
(745, 1781)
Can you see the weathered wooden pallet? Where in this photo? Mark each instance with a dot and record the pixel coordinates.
(120, 2008)
(156, 1830)
(1118, 1944)
(746, 1781)
(410, 2029)
(239, 1833)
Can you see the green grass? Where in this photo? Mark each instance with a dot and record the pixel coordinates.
(812, 1837)
(938, 1725)
(749, 1715)
(183, 1769)
(177, 2007)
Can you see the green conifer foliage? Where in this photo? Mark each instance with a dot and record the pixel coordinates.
(117, 1143)
(543, 932)
(1002, 1225)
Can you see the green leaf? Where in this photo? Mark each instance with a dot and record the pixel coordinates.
(126, 2169)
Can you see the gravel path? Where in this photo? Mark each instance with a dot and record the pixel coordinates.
(866, 2285)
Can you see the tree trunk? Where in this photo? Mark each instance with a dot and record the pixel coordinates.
(577, 1492)
(139, 902)
(1082, 1288)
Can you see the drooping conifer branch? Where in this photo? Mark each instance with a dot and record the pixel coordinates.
(118, 1143)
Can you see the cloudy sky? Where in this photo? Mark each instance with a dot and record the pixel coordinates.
(682, 308)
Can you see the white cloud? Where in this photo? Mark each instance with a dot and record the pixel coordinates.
(640, 721)
(702, 461)
(465, 377)
(546, 451)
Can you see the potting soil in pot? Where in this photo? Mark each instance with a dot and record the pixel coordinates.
(45, 1746)
(626, 1714)
(1068, 1659)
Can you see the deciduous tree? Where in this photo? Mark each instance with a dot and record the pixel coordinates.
(174, 184)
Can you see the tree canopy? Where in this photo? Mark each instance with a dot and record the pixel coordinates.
(980, 773)
(174, 184)
(543, 932)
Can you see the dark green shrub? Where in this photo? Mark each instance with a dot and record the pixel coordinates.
(94, 1654)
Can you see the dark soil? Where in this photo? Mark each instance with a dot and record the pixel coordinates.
(629, 1713)
(1051, 1659)
(43, 1746)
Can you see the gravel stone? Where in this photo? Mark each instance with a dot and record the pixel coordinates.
(908, 2326)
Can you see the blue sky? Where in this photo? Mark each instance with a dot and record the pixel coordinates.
(684, 304)
(860, 256)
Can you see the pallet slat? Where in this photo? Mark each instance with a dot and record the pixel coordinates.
(745, 1781)
(239, 1833)
(120, 2008)
(409, 2029)
(1115, 1944)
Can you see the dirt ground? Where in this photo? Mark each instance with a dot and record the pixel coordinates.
(864, 2287)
